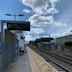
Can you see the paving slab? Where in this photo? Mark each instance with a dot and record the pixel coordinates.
(22, 64)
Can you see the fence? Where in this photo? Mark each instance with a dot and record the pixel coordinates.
(8, 50)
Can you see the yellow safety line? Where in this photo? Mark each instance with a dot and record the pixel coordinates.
(41, 63)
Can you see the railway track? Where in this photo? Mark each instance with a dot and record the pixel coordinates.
(61, 56)
(60, 63)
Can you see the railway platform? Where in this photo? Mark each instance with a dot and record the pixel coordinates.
(30, 62)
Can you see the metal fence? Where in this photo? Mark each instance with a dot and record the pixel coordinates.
(8, 50)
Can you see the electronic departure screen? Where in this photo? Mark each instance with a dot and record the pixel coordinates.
(19, 26)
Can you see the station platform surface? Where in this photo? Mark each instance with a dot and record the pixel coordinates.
(30, 62)
(22, 64)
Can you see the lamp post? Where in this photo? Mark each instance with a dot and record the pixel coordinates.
(15, 15)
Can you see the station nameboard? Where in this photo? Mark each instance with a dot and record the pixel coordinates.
(19, 26)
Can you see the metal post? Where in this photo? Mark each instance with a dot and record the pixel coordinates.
(49, 43)
(2, 46)
(1, 66)
(14, 17)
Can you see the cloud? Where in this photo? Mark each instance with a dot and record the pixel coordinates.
(36, 5)
(38, 19)
(26, 11)
(29, 37)
(51, 11)
(65, 33)
(53, 2)
(59, 24)
(43, 15)
(40, 6)
(35, 31)
(33, 34)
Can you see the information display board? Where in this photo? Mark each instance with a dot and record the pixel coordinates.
(19, 26)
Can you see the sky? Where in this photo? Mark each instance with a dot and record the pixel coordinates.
(46, 17)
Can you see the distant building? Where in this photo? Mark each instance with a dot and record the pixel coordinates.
(63, 40)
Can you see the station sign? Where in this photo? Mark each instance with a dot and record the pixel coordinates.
(19, 26)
